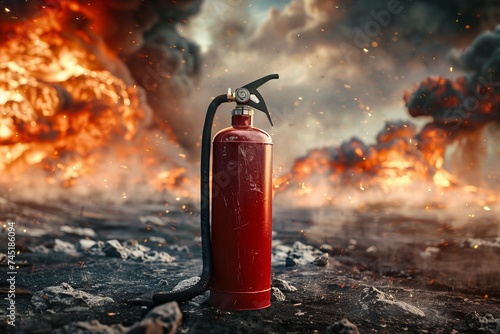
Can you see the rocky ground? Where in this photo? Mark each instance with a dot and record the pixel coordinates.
(373, 270)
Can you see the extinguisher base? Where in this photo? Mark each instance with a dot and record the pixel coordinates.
(240, 300)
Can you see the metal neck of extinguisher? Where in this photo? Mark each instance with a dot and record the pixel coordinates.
(246, 95)
(242, 115)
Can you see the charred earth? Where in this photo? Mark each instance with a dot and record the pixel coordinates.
(373, 270)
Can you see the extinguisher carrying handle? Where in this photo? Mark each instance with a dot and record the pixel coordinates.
(202, 285)
(260, 104)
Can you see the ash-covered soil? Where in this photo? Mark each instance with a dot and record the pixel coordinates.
(95, 269)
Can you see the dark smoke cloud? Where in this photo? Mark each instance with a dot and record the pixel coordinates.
(482, 58)
(162, 61)
(471, 101)
(167, 66)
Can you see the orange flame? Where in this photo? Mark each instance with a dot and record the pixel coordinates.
(398, 158)
(61, 110)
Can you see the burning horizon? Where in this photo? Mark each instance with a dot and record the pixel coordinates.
(461, 110)
(92, 99)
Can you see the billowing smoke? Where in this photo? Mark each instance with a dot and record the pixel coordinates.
(145, 36)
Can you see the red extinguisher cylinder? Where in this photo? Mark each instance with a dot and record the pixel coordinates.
(241, 217)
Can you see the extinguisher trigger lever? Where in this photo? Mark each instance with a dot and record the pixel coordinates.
(256, 100)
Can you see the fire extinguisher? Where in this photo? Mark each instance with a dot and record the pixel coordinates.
(236, 246)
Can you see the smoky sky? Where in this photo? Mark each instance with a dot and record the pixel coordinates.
(380, 39)
(380, 47)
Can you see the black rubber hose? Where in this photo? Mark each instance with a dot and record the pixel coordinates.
(206, 247)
